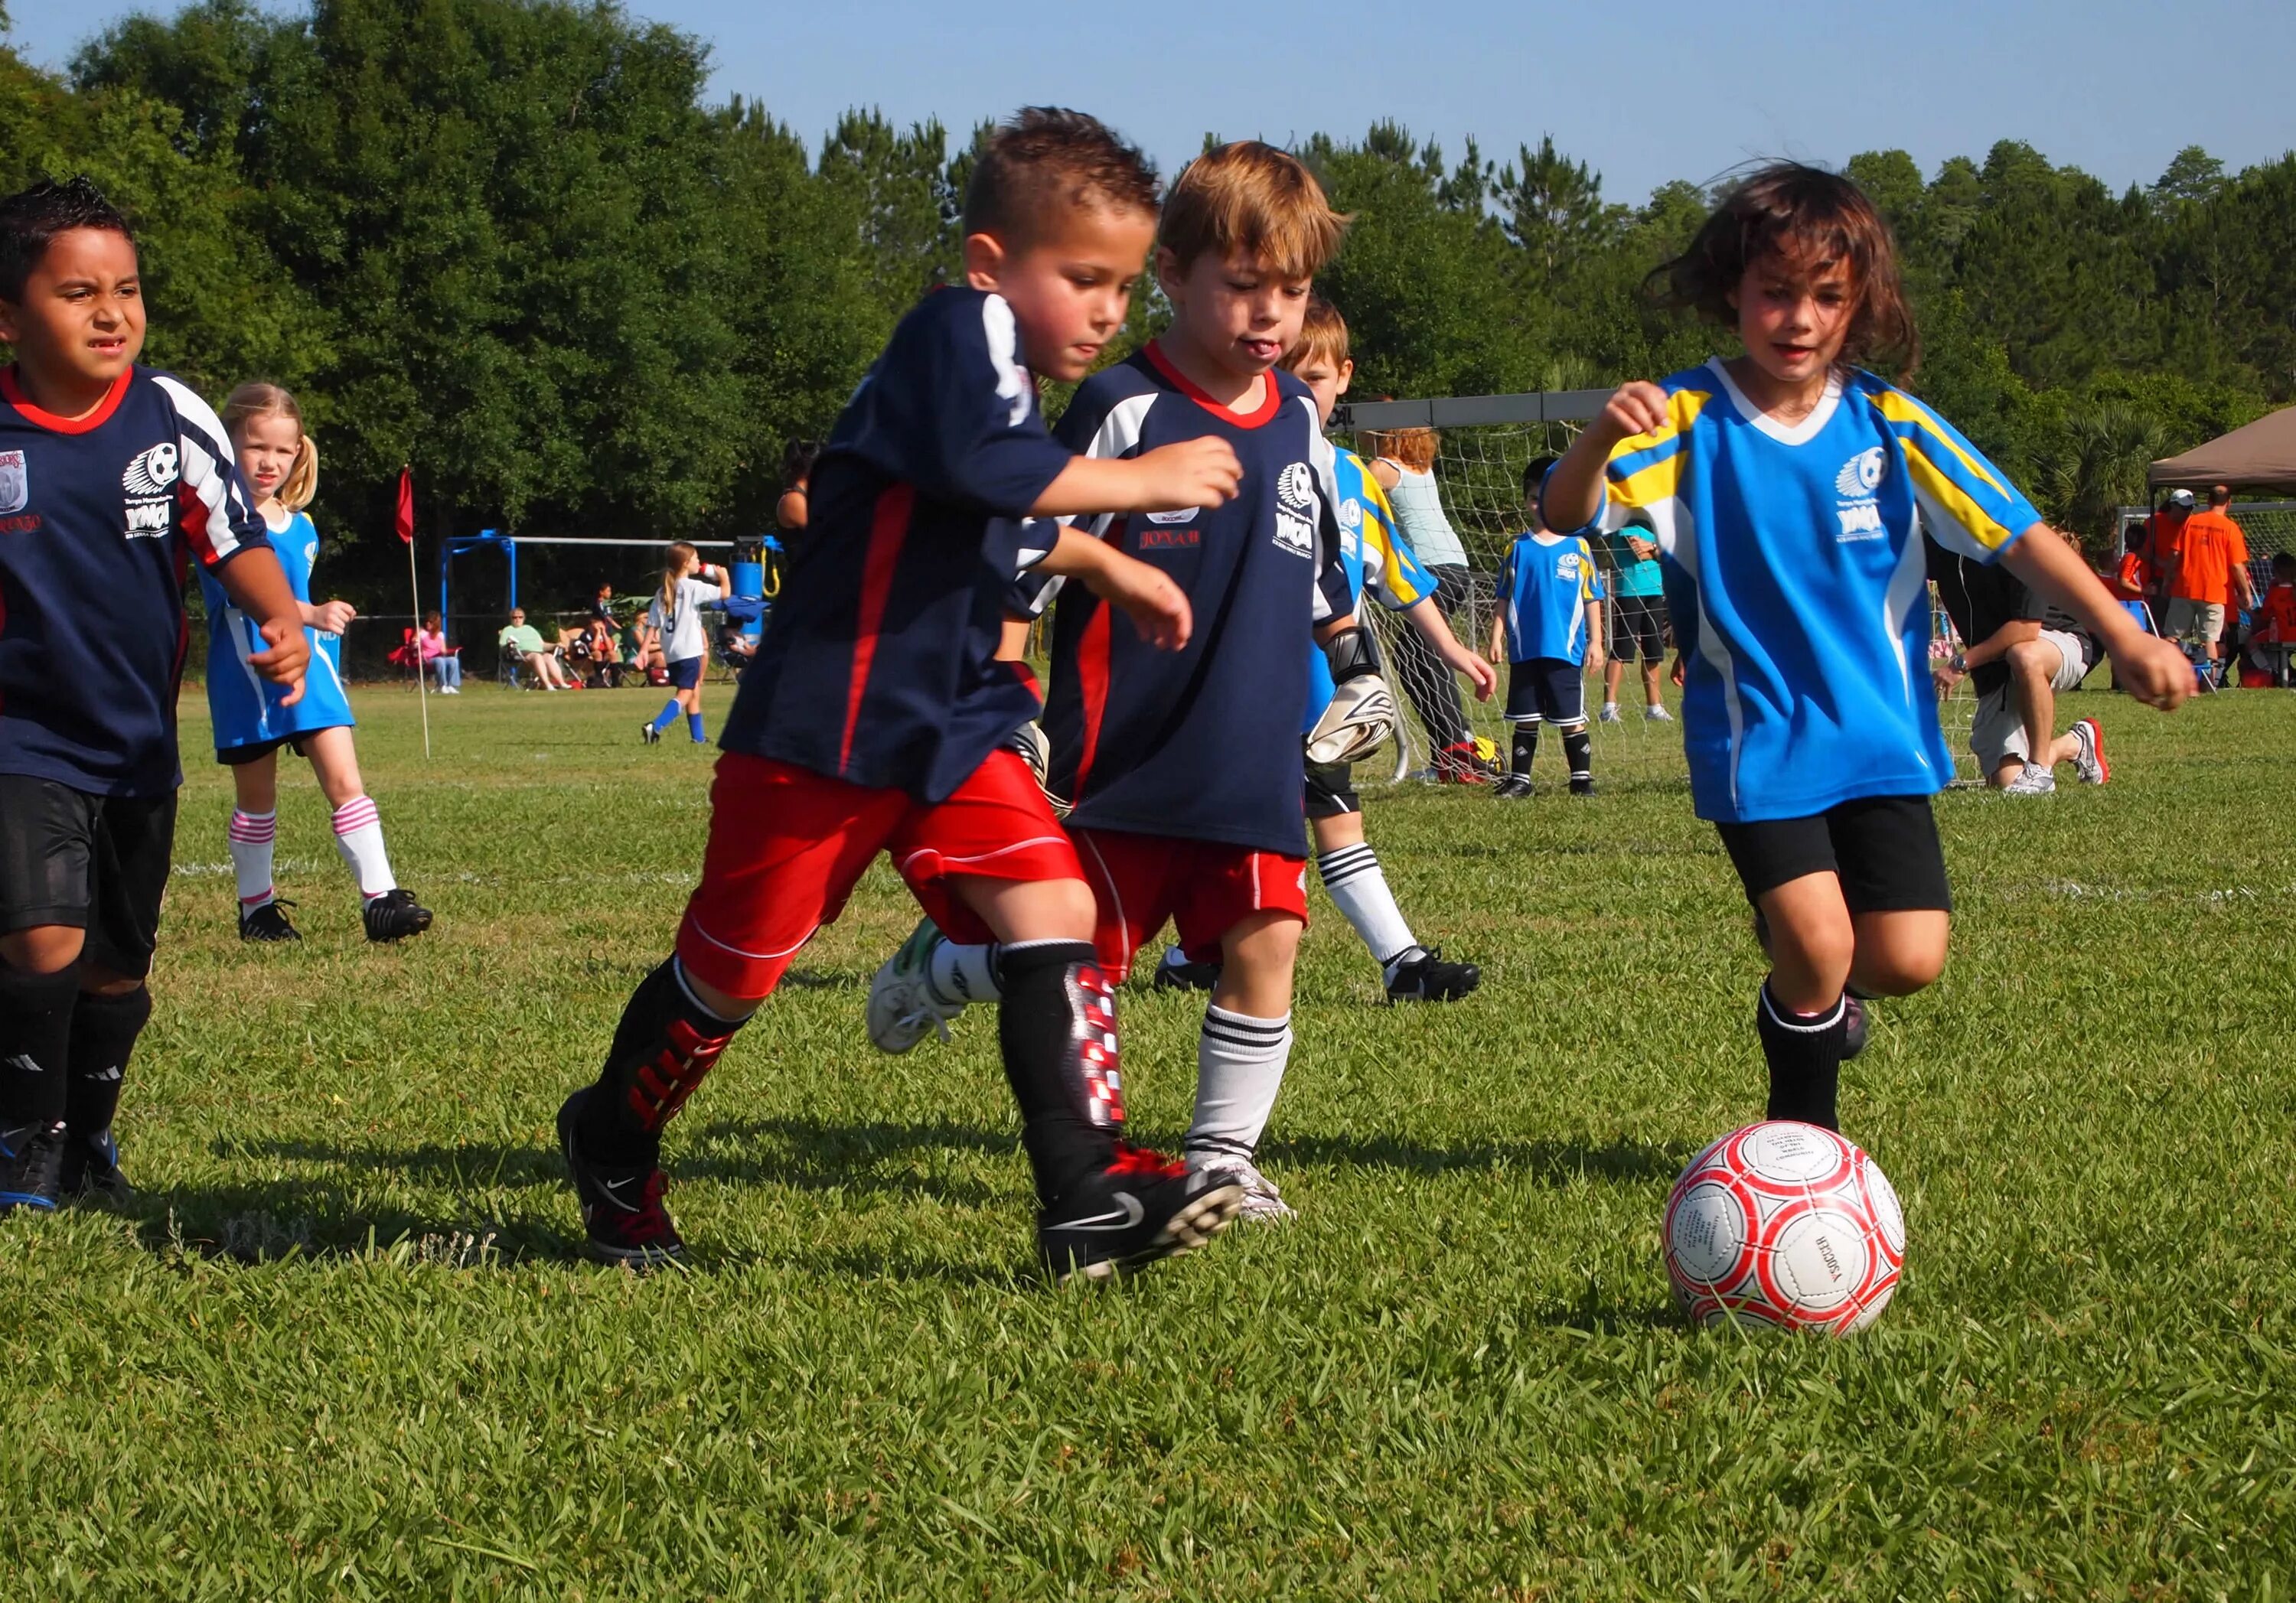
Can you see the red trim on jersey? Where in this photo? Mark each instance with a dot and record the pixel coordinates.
(1092, 679)
(1271, 399)
(889, 531)
(14, 395)
(192, 515)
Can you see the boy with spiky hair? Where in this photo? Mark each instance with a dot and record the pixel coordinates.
(1184, 769)
(875, 715)
(113, 479)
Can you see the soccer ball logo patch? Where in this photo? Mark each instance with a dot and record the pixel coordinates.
(1861, 475)
(15, 482)
(152, 470)
(1295, 510)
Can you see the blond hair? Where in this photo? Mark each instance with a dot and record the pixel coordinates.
(1323, 337)
(269, 400)
(684, 559)
(1253, 200)
(1411, 448)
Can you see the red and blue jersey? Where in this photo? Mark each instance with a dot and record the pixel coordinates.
(1203, 743)
(879, 664)
(101, 519)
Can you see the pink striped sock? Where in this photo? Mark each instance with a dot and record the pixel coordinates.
(358, 836)
(251, 838)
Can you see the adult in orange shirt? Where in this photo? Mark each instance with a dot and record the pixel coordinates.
(2164, 536)
(2207, 571)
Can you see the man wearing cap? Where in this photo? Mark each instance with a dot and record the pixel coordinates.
(2208, 570)
(2164, 533)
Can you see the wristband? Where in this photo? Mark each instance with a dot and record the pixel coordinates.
(1350, 654)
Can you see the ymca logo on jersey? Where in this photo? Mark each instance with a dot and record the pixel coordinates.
(1859, 512)
(1566, 568)
(1295, 510)
(15, 482)
(147, 481)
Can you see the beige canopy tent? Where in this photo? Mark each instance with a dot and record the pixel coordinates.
(2261, 455)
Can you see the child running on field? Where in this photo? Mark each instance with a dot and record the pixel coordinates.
(1549, 624)
(673, 621)
(281, 464)
(1184, 769)
(1789, 490)
(875, 715)
(112, 479)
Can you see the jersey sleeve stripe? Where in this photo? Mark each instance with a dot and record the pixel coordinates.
(1118, 435)
(210, 510)
(1917, 424)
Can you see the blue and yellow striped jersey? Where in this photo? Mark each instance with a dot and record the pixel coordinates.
(1796, 576)
(1377, 563)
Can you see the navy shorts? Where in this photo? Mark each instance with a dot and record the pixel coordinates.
(1546, 690)
(686, 673)
(98, 863)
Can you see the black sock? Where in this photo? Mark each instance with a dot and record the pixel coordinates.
(1526, 748)
(36, 1022)
(1578, 751)
(666, 1044)
(104, 1032)
(1805, 1056)
(1058, 1031)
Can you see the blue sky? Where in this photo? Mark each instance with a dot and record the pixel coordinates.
(2115, 86)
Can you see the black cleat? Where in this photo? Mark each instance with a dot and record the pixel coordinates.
(394, 915)
(1142, 1207)
(1853, 1033)
(622, 1210)
(1582, 787)
(1427, 977)
(91, 1170)
(268, 922)
(31, 1167)
(1186, 976)
(1513, 787)
(649, 733)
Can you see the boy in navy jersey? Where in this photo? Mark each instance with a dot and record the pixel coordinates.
(1549, 624)
(1788, 491)
(875, 715)
(113, 479)
(1183, 770)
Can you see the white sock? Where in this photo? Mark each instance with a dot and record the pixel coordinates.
(1610, 707)
(1239, 1069)
(966, 974)
(251, 837)
(1357, 887)
(358, 836)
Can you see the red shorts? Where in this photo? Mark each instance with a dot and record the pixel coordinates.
(1204, 887)
(787, 845)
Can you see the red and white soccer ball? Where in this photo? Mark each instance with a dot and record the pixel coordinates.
(1785, 1225)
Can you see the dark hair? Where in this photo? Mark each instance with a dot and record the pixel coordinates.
(1811, 219)
(2220, 495)
(31, 217)
(797, 458)
(2283, 560)
(1535, 472)
(1047, 162)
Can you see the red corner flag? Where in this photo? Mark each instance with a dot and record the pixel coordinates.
(406, 505)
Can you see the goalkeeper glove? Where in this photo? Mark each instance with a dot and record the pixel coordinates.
(1361, 715)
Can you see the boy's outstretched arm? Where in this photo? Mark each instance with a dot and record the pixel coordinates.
(258, 587)
(1156, 605)
(1170, 479)
(2152, 669)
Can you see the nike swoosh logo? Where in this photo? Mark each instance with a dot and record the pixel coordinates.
(1128, 1213)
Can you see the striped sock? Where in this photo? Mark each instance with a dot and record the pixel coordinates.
(1357, 885)
(358, 836)
(1240, 1064)
(251, 836)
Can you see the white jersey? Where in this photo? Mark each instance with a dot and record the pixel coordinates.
(683, 637)
(1420, 519)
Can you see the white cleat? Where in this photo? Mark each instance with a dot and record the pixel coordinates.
(1263, 1204)
(903, 1006)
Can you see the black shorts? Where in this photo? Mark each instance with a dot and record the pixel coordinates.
(1638, 623)
(1332, 790)
(239, 756)
(686, 673)
(1883, 848)
(92, 862)
(1546, 690)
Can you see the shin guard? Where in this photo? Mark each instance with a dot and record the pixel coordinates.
(665, 1047)
(1057, 1028)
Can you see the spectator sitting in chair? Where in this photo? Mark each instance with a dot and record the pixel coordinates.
(2267, 658)
(2019, 655)
(442, 660)
(527, 641)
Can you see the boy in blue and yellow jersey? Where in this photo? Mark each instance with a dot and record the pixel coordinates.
(114, 481)
(1380, 565)
(1789, 491)
(1549, 624)
(875, 715)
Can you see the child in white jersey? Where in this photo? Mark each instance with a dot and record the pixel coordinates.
(673, 623)
(1788, 492)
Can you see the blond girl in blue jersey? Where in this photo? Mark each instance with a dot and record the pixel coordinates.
(1790, 492)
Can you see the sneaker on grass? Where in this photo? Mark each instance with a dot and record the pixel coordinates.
(31, 1168)
(2032, 779)
(2088, 761)
(904, 1008)
(1142, 1207)
(622, 1210)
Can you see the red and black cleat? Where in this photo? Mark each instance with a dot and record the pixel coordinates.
(1142, 1207)
(622, 1210)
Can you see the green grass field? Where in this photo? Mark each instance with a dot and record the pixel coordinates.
(344, 1347)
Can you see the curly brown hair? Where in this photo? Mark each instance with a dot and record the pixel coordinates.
(1810, 220)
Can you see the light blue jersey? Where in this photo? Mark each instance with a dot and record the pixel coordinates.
(1545, 581)
(1377, 562)
(241, 704)
(1636, 576)
(1797, 581)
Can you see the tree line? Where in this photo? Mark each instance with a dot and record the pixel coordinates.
(512, 243)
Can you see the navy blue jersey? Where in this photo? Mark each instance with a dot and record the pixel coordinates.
(1202, 744)
(101, 518)
(879, 663)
